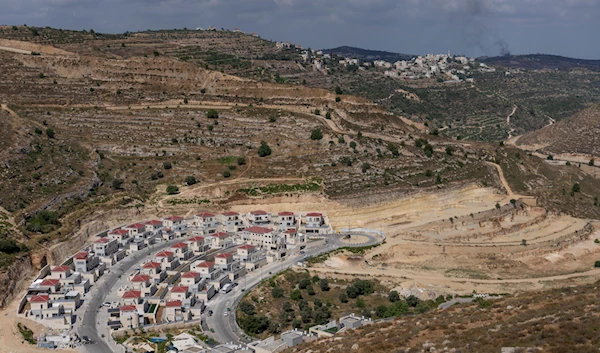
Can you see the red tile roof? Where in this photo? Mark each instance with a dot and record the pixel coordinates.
(132, 294)
(39, 299)
(164, 253)
(179, 289)
(261, 230)
(179, 246)
(174, 303)
(247, 246)
(224, 255)
(102, 240)
(119, 231)
(49, 282)
(290, 231)
(230, 213)
(81, 255)
(220, 235)
(196, 238)
(314, 214)
(140, 278)
(189, 275)
(174, 218)
(286, 213)
(258, 213)
(205, 215)
(136, 226)
(206, 264)
(151, 264)
(155, 222)
(128, 308)
(61, 269)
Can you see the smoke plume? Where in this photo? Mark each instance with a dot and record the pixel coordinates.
(476, 32)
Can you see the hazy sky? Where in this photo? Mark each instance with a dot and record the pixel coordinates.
(472, 27)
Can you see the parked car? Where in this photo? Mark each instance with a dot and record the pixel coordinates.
(225, 313)
(106, 304)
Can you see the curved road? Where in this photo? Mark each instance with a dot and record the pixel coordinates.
(224, 329)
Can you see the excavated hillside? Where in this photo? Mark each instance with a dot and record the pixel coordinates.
(579, 134)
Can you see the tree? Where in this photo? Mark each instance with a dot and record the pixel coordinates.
(316, 134)
(317, 112)
(352, 292)
(324, 285)
(247, 308)
(343, 298)
(393, 296)
(38, 131)
(190, 180)
(117, 184)
(241, 161)
(304, 283)
(338, 90)
(50, 132)
(226, 174)
(576, 187)
(360, 302)
(597, 264)
(212, 114)
(381, 311)
(428, 173)
(428, 150)
(338, 99)
(591, 162)
(172, 190)
(287, 307)
(167, 165)
(296, 324)
(413, 301)
(524, 242)
(365, 166)
(310, 290)
(254, 324)
(315, 279)
(449, 150)
(352, 144)
(185, 101)
(365, 287)
(277, 292)
(296, 295)
(264, 149)
(328, 116)
(322, 315)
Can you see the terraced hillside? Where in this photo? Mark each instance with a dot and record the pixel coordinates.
(579, 134)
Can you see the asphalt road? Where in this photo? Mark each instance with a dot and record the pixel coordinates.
(224, 329)
(89, 325)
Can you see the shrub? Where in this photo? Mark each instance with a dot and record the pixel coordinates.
(316, 134)
(248, 308)
(272, 119)
(277, 292)
(167, 165)
(324, 285)
(310, 290)
(315, 279)
(172, 190)
(9, 246)
(254, 324)
(591, 162)
(317, 112)
(394, 296)
(226, 174)
(212, 114)
(428, 150)
(338, 99)
(322, 315)
(413, 301)
(597, 264)
(450, 150)
(117, 184)
(42, 222)
(190, 180)
(338, 90)
(576, 187)
(328, 116)
(365, 167)
(428, 173)
(304, 283)
(50, 132)
(264, 149)
(296, 295)
(343, 298)
(241, 161)
(38, 131)
(352, 144)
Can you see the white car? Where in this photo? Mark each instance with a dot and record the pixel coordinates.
(225, 313)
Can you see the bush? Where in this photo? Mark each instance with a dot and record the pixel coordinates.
(316, 134)
(254, 324)
(597, 264)
(576, 187)
(449, 150)
(172, 190)
(190, 180)
(310, 290)
(324, 285)
(343, 298)
(328, 116)
(167, 165)
(428, 173)
(117, 184)
(277, 292)
(338, 90)
(248, 308)
(9, 246)
(241, 161)
(42, 222)
(322, 315)
(212, 114)
(365, 167)
(413, 301)
(38, 131)
(338, 99)
(317, 112)
(264, 149)
(226, 174)
(591, 162)
(50, 132)
(157, 175)
(428, 150)
(304, 283)
(296, 295)
(394, 296)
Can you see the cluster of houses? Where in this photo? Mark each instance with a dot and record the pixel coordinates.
(213, 250)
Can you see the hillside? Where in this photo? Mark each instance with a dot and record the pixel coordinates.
(579, 134)
(541, 62)
(555, 321)
(366, 54)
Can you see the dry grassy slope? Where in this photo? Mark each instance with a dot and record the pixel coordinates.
(555, 321)
(577, 134)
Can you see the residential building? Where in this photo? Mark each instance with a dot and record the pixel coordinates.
(232, 222)
(60, 272)
(190, 278)
(261, 236)
(106, 247)
(182, 251)
(226, 262)
(143, 284)
(154, 270)
(245, 251)
(220, 240)
(173, 222)
(84, 262)
(286, 220)
(174, 311)
(206, 223)
(206, 269)
(153, 226)
(197, 245)
(132, 297)
(168, 260)
(179, 293)
(130, 318)
(120, 235)
(135, 229)
(258, 217)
